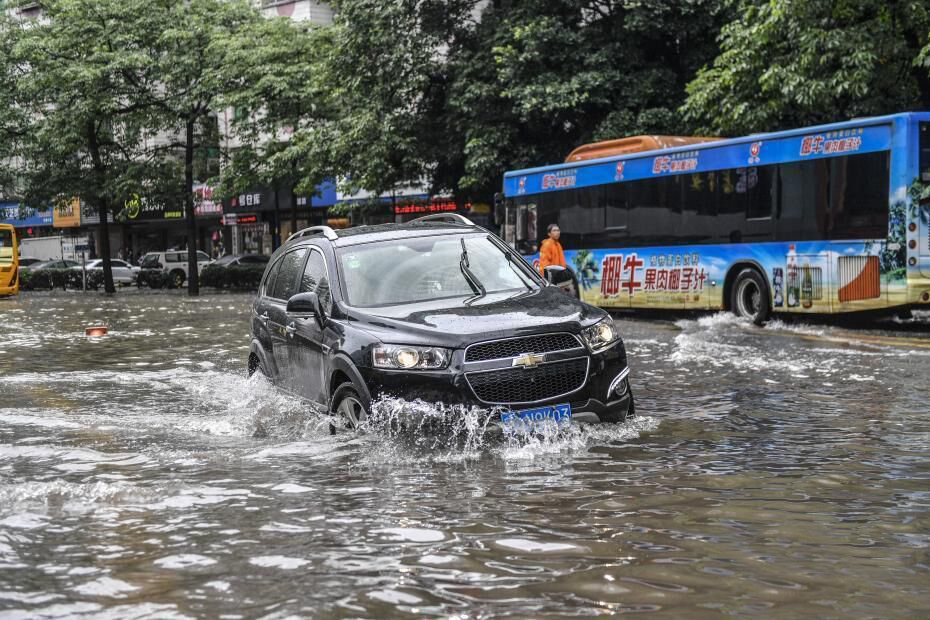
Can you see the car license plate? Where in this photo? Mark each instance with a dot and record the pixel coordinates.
(528, 419)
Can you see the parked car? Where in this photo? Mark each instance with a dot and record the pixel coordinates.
(123, 272)
(26, 263)
(54, 264)
(159, 268)
(240, 259)
(444, 312)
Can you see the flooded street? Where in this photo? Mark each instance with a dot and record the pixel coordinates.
(778, 472)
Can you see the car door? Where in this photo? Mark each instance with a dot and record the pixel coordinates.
(285, 286)
(121, 271)
(305, 346)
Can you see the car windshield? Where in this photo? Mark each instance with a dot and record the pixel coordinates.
(426, 268)
(150, 260)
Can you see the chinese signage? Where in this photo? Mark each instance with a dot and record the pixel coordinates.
(667, 273)
(723, 155)
(67, 214)
(435, 206)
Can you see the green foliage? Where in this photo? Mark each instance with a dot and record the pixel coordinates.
(237, 277)
(44, 279)
(795, 63)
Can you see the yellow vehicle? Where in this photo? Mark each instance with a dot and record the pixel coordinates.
(9, 261)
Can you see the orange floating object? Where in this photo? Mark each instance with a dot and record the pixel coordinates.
(95, 330)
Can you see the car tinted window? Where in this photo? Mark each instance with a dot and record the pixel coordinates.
(201, 256)
(253, 260)
(268, 288)
(286, 283)
(150, 260)
(316, 280)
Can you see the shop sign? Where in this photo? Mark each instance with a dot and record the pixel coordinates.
(138, 208)
(435, 206)
(238, 219)
(23, 217)
(67, 214)
(204, 205)
(90, 215)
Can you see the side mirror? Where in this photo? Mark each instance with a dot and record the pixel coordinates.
(307, 304)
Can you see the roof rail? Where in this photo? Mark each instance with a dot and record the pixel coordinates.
(326, 231)
(453, 218)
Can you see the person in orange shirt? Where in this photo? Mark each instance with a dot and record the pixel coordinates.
(550, 253)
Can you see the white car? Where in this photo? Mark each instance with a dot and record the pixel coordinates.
(123, 272)
(173, 263)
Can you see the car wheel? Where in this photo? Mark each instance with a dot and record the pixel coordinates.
(749, 297)
(347, 404)
(177, 279)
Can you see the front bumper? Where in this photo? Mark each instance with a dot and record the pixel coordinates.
(592, 402)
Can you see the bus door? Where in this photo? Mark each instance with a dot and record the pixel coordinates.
(923, 214)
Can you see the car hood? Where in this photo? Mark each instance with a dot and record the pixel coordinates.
(459, 322)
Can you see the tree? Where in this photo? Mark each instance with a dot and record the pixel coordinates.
(186, 46)
(277, 96)
(796, 63)
(82, 129)
(384, 66)
(543, 76)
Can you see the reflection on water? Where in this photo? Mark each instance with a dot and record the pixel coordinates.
(778, 472)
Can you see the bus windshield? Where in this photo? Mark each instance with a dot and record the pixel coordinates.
(6, 247)
(429, 268)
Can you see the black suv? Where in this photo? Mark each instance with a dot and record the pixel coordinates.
(437, 309)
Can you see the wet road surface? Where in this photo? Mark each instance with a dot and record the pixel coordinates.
(779, 472)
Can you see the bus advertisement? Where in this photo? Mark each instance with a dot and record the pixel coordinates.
(9, 261)
(827, 219)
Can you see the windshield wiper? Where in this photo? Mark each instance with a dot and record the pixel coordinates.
(469, 276)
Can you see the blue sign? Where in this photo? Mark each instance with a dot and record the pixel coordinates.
(24, 217)
(759, 150)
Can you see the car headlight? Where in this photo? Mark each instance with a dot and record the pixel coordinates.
(405, 357)
(601, 335)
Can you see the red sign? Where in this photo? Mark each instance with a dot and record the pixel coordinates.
(439, 206)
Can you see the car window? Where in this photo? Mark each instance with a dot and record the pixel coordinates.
(253, 260)
(286, 283)
(150, 260)
(225, 260)
(202, 256)
(316, 280)
(171, 257)
(117, 263)
(268, 288)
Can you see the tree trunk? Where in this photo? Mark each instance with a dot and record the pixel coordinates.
(104, 230)
(293, 208)
(193, 278)
(102, 207)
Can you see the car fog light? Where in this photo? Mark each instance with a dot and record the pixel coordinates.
(912, 261)
(622, 387)
(406, 358)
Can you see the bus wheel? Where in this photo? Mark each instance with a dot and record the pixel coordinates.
(749, 297)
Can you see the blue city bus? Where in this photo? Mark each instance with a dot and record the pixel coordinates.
(826, 219)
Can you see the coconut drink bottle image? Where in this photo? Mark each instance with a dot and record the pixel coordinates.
(807, 287)
(793, 288)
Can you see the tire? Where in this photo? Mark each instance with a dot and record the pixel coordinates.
(749, 296)
(176, 278)
(347, 404)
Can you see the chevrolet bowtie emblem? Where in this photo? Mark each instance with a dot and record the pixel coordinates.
(529, 360)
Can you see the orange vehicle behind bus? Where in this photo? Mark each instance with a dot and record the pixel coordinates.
(9, 261)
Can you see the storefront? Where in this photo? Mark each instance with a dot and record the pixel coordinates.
(257, 222)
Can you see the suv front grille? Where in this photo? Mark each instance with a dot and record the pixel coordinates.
(527, 385)
(512, 347)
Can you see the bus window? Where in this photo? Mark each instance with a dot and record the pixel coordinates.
(924, 163)
(6, 247)
(859, 196)
(615, 206)
(802, 204)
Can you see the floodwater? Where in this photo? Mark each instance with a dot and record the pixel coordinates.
(781, 472)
